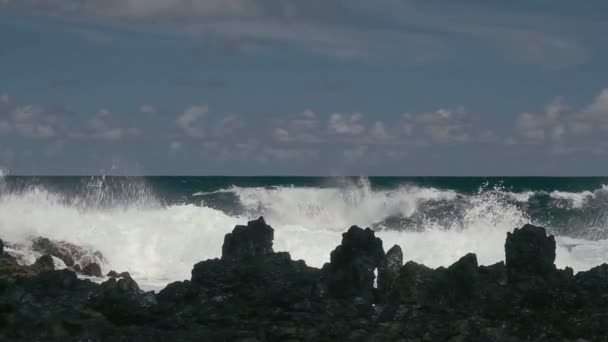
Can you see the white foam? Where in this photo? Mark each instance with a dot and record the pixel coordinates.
(158, 245)
(521, 197)
(336, 208)
(576, 198)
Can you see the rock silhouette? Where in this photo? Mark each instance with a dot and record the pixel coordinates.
(252, 294)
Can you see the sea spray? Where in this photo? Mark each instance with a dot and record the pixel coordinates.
(157, 233)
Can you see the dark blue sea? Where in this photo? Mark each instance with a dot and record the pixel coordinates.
(158, 227)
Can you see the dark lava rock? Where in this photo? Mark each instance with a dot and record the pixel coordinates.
(350, 272)
(92, 270)
(529, 251)
(254, 239)
(46, 246)
(122, 301)
(114, 274)
(75, 257)
(255, 294)
(388, 272)
(44, 263)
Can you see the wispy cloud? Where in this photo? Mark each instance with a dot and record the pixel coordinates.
(386, 30)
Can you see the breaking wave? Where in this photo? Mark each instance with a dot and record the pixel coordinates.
(158, 240)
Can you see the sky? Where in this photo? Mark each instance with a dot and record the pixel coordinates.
(317, 87)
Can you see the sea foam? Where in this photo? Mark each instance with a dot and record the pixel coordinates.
(159, 243)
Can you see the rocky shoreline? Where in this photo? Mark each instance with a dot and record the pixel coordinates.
(363, 294)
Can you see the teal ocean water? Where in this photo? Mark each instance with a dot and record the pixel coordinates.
(158, 227)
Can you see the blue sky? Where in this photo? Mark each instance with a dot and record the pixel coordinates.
(240, 87)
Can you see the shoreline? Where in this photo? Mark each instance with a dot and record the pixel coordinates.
(253, 294)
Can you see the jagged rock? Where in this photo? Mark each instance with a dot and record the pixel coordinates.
(463, 276)
(1, 246)
(11, 270)
(46, 246)
(122, 301)
(114, 274)
(269, 278)
(44, 263)
(75, 257)
(254, 239)
(388, 272)
(593, 286)
(92, 270)
(350, 272)
(261, 295)
(529, 251)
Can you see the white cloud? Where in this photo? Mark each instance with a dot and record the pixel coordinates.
(569, 129)
(378, 131)
(599, 108)
(230, 125)
(444, 126)
(30, 121)
(345, 124)
(190, 121)
(104, 125)
(302, 128)
(281, 134)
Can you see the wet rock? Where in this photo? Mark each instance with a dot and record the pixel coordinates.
(388, 272)
(114, 274)
(92, 270)
(463, 277)
(350, 272)
(122, 301)
(44, 263)
(74, 256)
(529, 251)
(46, 246)
(257, 294)
(410, 282)
(254, 239)
(271, 278)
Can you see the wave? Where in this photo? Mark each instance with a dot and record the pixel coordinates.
(158, 242)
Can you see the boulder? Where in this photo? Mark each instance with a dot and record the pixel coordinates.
(74, 256)
(350, 272)
(92, 270)
(529, 252)
(46, 246)
(254, 239)
(44, 263)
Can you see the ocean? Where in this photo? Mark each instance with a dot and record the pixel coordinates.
(157, 228)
